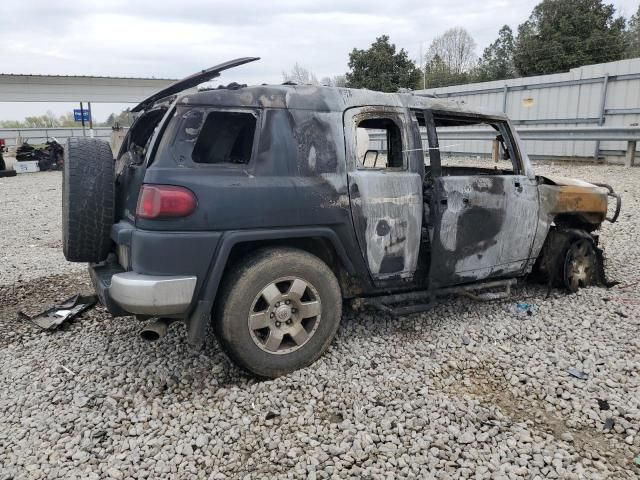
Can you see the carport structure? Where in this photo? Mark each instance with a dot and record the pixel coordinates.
(78, 89)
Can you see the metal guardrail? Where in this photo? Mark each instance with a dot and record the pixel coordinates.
(43, 134)
(631, 135)
(15, 136)
(624, 134)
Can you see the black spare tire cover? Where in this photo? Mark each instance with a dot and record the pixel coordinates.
(87, 200)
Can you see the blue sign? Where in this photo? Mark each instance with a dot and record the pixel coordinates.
(78, 114)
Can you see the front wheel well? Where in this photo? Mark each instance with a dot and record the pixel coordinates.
(575, 221)
(548, 266)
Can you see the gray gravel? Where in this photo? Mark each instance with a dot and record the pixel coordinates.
(30, 225)
(468, 390)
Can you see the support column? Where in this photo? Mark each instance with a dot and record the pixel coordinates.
(630, 158)
(495, 151)
(505, 93)
(601, 117)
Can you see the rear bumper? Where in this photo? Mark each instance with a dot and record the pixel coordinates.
(127, 293)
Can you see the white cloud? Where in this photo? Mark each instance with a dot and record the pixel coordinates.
(172, 39)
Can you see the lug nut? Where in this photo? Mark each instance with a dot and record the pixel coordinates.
(289, 322)
(293, 310)
(272, 315)
(288, 302)
(277, 304)
(278, 324)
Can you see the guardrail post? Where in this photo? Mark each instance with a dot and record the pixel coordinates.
(505, 94)
(495, 151)
(631, 154)
(603, 110)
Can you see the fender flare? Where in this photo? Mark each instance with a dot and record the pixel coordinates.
(199, 319)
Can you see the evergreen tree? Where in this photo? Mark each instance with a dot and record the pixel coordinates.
(564, 34)
(381, 67)
(497, 60)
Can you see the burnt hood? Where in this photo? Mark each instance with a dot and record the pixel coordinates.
(192, 81)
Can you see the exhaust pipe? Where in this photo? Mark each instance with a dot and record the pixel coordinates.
(155, 329)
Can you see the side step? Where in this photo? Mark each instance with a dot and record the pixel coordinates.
(423, 300)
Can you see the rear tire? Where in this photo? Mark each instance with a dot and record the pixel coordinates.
(87, 200)
(278, 311)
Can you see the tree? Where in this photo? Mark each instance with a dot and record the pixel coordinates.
(633, 50)
(381, 67)
(124, 119)
(438, 74)
(300, 75)
(497, 59)
(564, 34)
(456, 50)
(335, 81)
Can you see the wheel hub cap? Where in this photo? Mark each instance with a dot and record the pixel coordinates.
(284, 315)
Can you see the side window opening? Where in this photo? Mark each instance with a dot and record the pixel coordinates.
(225, 137)
(379, 143)
(471, 145)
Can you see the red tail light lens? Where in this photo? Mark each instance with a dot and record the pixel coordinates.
(165, 201)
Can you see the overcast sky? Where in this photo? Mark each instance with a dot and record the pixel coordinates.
(144, 38)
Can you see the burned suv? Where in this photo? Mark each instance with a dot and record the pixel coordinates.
(259, 209)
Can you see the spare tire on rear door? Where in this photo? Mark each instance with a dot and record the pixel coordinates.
(87, 200)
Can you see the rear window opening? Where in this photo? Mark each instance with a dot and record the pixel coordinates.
(225, 137)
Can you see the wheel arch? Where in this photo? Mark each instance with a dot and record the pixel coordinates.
(556, 241)
(322, 242)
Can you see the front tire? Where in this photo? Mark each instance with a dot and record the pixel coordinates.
(278, 311)
(579, 269)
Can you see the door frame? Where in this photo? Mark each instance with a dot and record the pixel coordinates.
(445, 272)
(386, 203)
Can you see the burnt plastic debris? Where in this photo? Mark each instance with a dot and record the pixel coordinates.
(580, 375)
(57, 315)
(609, 423)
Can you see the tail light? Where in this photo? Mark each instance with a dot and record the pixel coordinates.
(165, 201)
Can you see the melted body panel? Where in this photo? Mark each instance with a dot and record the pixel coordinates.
(387, 214)
(483, 227)
(568, 200)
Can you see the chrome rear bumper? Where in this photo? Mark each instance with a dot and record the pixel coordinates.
(134, 293)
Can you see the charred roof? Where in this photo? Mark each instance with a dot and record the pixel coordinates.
(318, 98)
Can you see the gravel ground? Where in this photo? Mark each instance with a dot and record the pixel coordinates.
(30, 226)
(467, 390)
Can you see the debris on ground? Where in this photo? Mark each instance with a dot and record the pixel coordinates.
(50, 155)
(603, 404)
(522, 309)
(609, 423)
(56, 316)
(579, 374)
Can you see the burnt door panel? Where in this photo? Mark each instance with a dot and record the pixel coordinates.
(387, 215)
(385, 188)
(483, 227)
